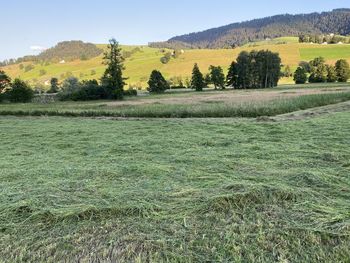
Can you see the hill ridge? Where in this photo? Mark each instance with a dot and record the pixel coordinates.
(336, 21)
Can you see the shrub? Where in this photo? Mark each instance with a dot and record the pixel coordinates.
(29, 67)
(54, 86)
(87, 90)
(20, 92)
(300, 76)
(166, 58)
(130, 92)
(42, 72)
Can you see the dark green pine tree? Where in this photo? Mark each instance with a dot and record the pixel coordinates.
(113, 79)
(232, 75)
(197, 81)
(157, 83)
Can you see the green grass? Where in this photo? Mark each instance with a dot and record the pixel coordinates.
(215, 109)
(197, 190)
(330, 52)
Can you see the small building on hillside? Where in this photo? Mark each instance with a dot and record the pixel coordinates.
(62, 61)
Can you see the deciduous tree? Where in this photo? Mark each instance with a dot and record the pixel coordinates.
(343, 70)
(217, 76)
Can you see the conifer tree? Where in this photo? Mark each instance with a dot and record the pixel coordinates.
(157, 83)
(113, 79)
(232, 75)
(197, 81)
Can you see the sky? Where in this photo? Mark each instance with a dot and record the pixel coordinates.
(29, 25)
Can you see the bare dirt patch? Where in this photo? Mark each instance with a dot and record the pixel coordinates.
(236, 96)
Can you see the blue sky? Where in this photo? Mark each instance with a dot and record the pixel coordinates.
(43, 23)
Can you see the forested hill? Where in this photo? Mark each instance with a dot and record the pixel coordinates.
(66, 50)
(71, 50)
(336, 21)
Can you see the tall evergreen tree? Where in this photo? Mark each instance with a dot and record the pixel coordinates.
(343, 70)
(232, 75)
(217, 76)
(157, 83)
(197, 81)
(113, 79)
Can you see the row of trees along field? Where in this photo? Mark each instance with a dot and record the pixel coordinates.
(317, 71)
(254, 70)
(320, 39)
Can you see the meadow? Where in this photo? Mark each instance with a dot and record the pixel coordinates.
(140, 64)
(180, 190)
(178, 177)
(191, 104)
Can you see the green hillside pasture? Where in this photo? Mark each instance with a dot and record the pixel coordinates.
(139, 66)
(174, 190)
(329, 52)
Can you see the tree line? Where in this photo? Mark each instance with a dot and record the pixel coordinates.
(320, 39)
(317, 71)
(252, 70)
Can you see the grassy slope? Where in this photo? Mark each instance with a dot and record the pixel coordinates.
(179, 191)
(139, 66)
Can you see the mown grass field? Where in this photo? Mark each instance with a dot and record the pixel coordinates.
(193, 190)
(140, 64)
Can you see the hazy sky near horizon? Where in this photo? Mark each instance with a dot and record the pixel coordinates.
(28, 25)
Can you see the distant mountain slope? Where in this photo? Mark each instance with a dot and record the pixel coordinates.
(71, 50)
(336, 21)
(66, 50)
